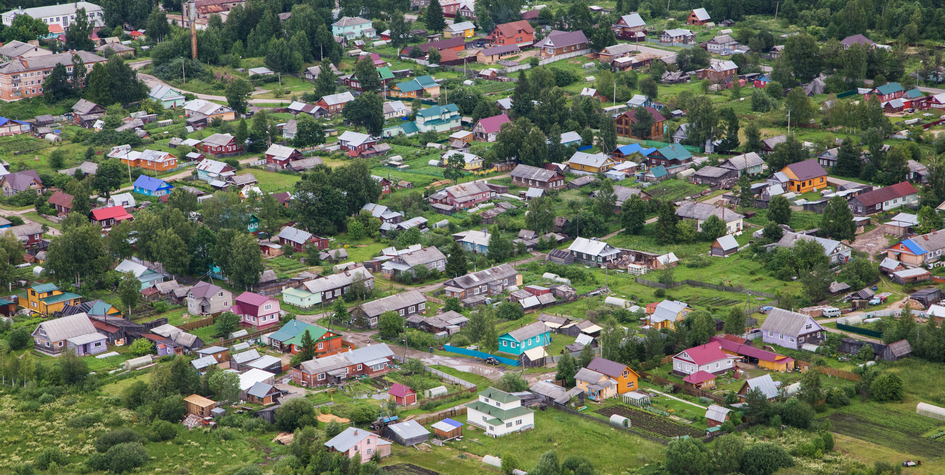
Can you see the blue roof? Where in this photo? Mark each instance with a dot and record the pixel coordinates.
(632, 148)
(647, 151)
(914, 247)
(151, 183)
(764, 77)
(452, 422)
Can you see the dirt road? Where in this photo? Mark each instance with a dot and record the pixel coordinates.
(152, 81)
(871, 242)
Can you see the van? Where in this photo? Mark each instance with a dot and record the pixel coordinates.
(831, 312)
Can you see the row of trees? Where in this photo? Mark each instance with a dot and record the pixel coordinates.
(109, 83)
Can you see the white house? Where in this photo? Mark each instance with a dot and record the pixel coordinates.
(499, 413)
(790, 329)
(708, 357)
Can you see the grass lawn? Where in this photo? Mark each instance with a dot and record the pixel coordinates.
(272, 182)
(115, 389)
(34, 216)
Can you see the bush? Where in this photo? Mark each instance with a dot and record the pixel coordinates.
(887, 387)
(659, 293)
(255, 424)
(162, 431)
(110, 439)
(837, 397)
(765, 459)
(296, 413)
(23, 469)
(249, 470)
(46, 398)
(50, 455)
(171, 408)
(120, 458)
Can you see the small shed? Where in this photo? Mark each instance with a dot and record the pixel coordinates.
(910, 276)
(929, 410)
(716, 415)
(927, 297)
(199, 405)
(407, 433)
(434, 392)
(724, 246)
(897, 351)
(402, 395)
(448, 429)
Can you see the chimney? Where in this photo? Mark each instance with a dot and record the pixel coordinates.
(355, 432)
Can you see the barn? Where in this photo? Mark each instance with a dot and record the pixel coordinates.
(407, 433)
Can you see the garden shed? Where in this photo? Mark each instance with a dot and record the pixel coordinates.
(448, 429)
(897, 351)
(407, 433)
(929, 410)
(716, 415)
(402, 395)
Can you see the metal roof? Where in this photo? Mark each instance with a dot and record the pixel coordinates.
(716, 413)
(393, 302)
(408, 430)
(727, 242)
(245, 357)
(529, 331)
(67, 327)
(765, 384)
(260, 390)
(348, 438)
(785, 322)
(591, 247)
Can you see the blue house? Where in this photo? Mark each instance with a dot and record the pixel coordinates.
(533, 335)
(571, 138)
(475, 241)
(151, 186)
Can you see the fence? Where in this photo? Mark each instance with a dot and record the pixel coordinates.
(859, 331)
(479, 354)
(203, 322)
(706, 285)
(425, 419)
(846, 94)
(608, 424)
(679, 387)
(259, 333)
(836, 373)
(543, 62)
(450, 378)
(681, 45)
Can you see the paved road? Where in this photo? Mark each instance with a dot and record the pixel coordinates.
(152, 81)
(931, 90)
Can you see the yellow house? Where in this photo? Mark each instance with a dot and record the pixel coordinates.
(463, 29)
(597, 386)
(471, 163)
(805, 176)
(591, 163)
(627, 379)
(667, 313)
(46, 299)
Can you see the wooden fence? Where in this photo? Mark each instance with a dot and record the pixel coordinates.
(833, 372)
(203, 322)
(425, 419)
(450, 378)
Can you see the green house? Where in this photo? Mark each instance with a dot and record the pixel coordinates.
(301, 298)
(253, 225)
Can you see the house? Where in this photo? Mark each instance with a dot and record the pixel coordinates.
(716, 415)
(84, 113)
(737, 346)
(747, 163)
(404, 304)
(353, 27)
(150, 186)
(445, 47)
(487, 128)
(353, 441)
(61, 201)
(767, 386)
(23, 78)
(256, 310)
(168, 97)
(885, 199)
(355, 142)
(429, 257)
(590, 163)
(909, 276)
(672, 155)
(279, 155)
(489, 282)
(805, 176)
(700, 380)
(199, 406)
(395, 109)
(698, 17)
(299, 239)
(463, 29)
(919, 250)
(499, 413)
(74, 332)
(667, 313)
(154, 160)
(302, 165)
(335, 103)
(857, 39)
(837, 253)
(625, 121)
(724, 246)
(300, 298)
(790, 329)
(534, 177)
(293, 328)
(87, 168)
(402, 395)
(714, 176)
(678, 36)
(221, 145)
(723, 45)
(699, 212)
(374, 360)
(518, 33)
(896, 351)
(629, 27)
(47, 299)
(200, 113)
(463, 196)
(208, 299)
(496, 53)
(407, 433)
(146, 276)
(335, 285)
(448, 429)
(29, 234)
(761, 81)
(108, 217)
(212, 170)
(626, 378)
(597, 386)
(593, 251)
(708, 357)
(768, 144)
(717, 72)
(436, 119)
(517, 342)
(18, 182)
(263, 393)
(562, 42)
(886, 92)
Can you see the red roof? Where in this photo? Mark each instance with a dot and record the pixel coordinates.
(248, 303)
(491, 125)
(61, 199)
(705, 354)
(509, 30)
(899, 190)
(399, 390)
(104, 326)
(115, 212)
(135, 34)
(699, 377)
(749, 351)
(657, 117)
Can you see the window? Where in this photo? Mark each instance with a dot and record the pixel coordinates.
(320, 346)
(518, 422)
(321, 377)
(401, 312)
(508, 425)
(369, 450)
(498, 404)
(483, 418)
(268, 306)
(359, 367)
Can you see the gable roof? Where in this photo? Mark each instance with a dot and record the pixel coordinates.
(704, 354)
(529, 331)
(61, 198)
(632, 20)
(701, 14)
(699, 377)
(113, 212)
(150, 183)
(890, 88)
(785, 322)
(560, 39)
(726, 242)
(765, 384)
(294, 235)
(655, 114)
(340, 98)
(807, 170)
(900, 348)
(716, 413)
(596, 160)
(399, 390)
(528, 172)
(886, 193)
(702, 211)
(280, 151)
(512, 28)
(393, 302)
(219, 140)
(491, 125)
(610, 368)
(21, 181)
(67, 327)
(857, 39)
(348, 438)
(592, 247)
(743, 161)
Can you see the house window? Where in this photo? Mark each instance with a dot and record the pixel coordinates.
(268, 307)
(359, 367)
(518, 422)
(484, 420)
(508, 425)
(321, 377)
(320, 346)
(401, 312)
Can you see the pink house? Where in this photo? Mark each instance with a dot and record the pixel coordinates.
(256, 310)
(359, 441)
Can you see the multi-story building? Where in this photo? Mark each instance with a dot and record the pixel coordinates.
(23, 78)
(491, 281)
(62, 15)
(499, 413)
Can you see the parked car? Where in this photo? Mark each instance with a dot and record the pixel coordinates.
(491, 360)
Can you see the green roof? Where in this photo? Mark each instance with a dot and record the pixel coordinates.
(43, 288)
(914, 93)
(316, 332)
(60, 298)
(426, 81)
(437, 110)
(675, 152)
(409, 86)
(498, 414)
(890, 88)
(409, 127)
(498, 395)
(385, 73)
(297, 292)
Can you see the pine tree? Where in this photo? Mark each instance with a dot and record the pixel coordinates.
(434, 17)
(325, 82)
(752, 137)
(99, 86)
(456, 262)
(499, 248)
(666, 224)
(746, 197)
(308, 347)
(633, 215)
(848, 160)
(567, 368)
(735, 322)
(837, 220)
(779, 210)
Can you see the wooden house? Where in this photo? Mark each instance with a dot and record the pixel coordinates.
(700, 380)
(708, 357)
(626, 378)
(597, 386)
(255, 310)
(374, 360)
(199, 405)
(61, 201)
(724, 246)
(74, 332)
(764, 384)
(402, 395)
(447, 429)
(518, 33)
(790, 329)
(561, 42)
(698, 17)
(716, 415)
(47, 299)
(896, 351)
(625, 121)
(805, 176)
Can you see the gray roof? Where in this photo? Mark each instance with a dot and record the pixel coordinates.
(335, 281)
(218, 139)
(295, 235)
(709, 171)
(727, 242)
(204, 362)
(67, 327)
(900, 348)
(264, 361)
(702, 211)
(408, 430)
(588, 376)
(260, 389)
(528, 331)
(361, 355)
(716, 413)
(421, 256)
(473, 279)
(527, 172)
(591, 247)
(765, 384)
(743, 161)
(784, 322)
(829, 245)
(348, 438)
(36, 63)
(910, 272)
(393, 302)
(667, 310)
(245, 357)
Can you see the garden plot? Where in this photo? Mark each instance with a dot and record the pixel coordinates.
(644, 421)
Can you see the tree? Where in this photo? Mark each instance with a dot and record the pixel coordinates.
(434, 17)
(56, 87)
(500, 248)
(837, 220)
(366, 74)
(602, 35)
(802, 54)
(294, 414)
(78, 34)
(633, 215)
(541, 215)
(643, 126)
(245, 263)
(169, 246)
(19, 338)
(586, 356)
(510, 311)
(566, 370)
(799, 106)
(456, 264)
(283, 56)
(746, 197)
(129, 292)
(325, 82)
(779, 210)
(433, 56)
(765, 459)
(735, 322)
(227, 323)
(225, 386)
(453, 169)
(608, 133)
(606, 200)
(399, 30)
(848, 160)
(308, 347)
(389, 325)
(666, 224)
(79, 73)
(649, 88)
(752, 137)
(730, 126)
(225, 210)
(25, 28)
(887, 387)
(237, 95)
(713, 228)
(141, 347)
(367, 110)
(728, 452)
(703, 119)
(686, 457)
(511, 382)
(929, 220)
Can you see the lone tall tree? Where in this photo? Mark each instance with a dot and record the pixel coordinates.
(434, 20)
(837, 220)
(456, 262)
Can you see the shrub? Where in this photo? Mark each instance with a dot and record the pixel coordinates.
(837, 397)
(46, 398)
(23, 469)
(255, 424)
(249, 470)
(659, 293)
(171, 408)
(50, 455)
(110, 439)
(120, 458)
(162, 431)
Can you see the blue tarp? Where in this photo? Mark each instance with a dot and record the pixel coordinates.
(479, 354)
